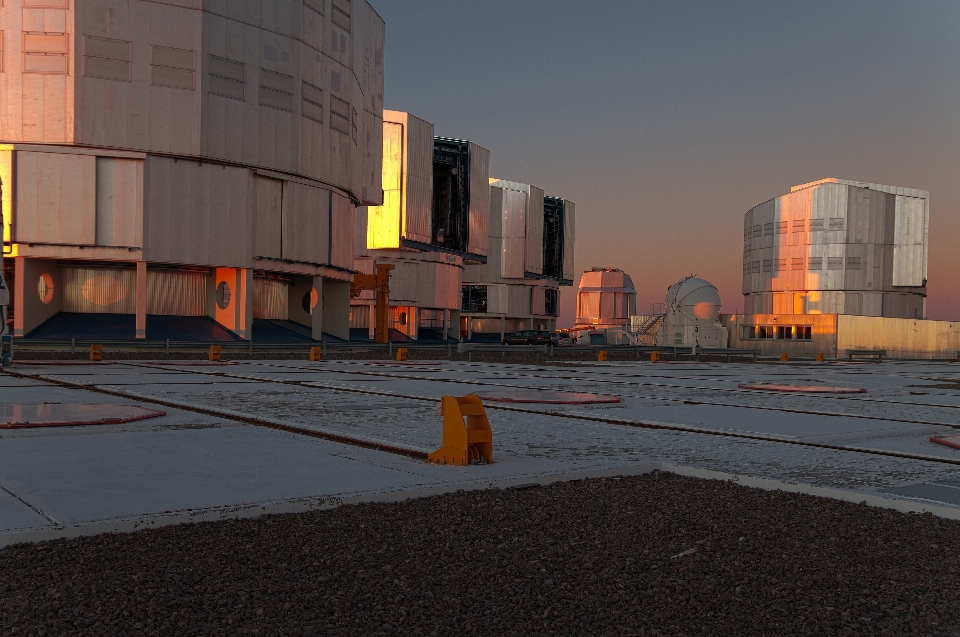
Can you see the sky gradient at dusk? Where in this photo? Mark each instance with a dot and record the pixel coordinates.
(666, 121)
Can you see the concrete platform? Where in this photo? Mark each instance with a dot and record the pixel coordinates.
(202, 460)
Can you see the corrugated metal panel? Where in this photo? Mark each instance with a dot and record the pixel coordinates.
(103, 290)
(512, 213)
(269, 221)
(305, 211)
(537, 299)
(417, 179)
(518, 300)
(341, 249)
(533, 261)
(569, 230)
(56, 198)
(270, 299)
(511, 258)
(176, 293)
(438, 285)
(479, 199)
(119, 207)
(908, 250)
(901, 338)
(384, 222)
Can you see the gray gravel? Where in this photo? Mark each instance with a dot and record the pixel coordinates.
(657, 554)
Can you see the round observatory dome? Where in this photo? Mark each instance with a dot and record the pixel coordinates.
(694, 298)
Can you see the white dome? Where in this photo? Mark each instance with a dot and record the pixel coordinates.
(694, 298)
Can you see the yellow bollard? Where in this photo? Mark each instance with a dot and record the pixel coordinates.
(602, 355)
(96, 352)
(784, 357)
(820, 357)
(463, 442)
(315, 353)
(401, 353)
(654, 357)
(214, 354)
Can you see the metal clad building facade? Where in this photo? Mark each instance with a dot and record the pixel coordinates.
(840, 247)
(220, 137)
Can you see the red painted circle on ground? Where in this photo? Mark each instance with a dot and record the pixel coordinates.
(67, 415)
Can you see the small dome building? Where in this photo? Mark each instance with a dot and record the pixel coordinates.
(692, 315)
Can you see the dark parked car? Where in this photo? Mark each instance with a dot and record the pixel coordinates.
(561, 338)
(528, 337)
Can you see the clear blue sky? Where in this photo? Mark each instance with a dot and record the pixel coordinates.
(666, 121)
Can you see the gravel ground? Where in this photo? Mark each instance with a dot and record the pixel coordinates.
(657, 554)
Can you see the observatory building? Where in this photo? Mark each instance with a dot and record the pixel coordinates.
(187, 170)
(836, 266)
(691, 318)
(606, 298)
(530, 239)
(838, 247)
(433, 221)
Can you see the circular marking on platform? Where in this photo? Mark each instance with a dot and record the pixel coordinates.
(802, 389)
(67, 415)
(546, 396)
(194, 363)
(404, 362)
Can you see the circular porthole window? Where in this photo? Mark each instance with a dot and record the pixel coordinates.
(403, 318)
(223, 295)
(309, 301)
(45, 288)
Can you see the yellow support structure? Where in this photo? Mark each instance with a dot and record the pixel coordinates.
(401, 353)
(316, 353)
(214, 354)
(602, 355)
(96, 352)
(464, 441)
(654, 357)
(820, 357)
(784, 357)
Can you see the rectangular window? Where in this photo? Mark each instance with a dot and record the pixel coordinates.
(780, 265)
(311, 105)
(173, 68)
(746, 247)
(226, 78)
(757, 231)
(276, 90)
(803, 332)
(768, 229)
(782, 227)
(316, 5)
(551, 303)
(796, 264)
(339, 115)
(746, 233)
(784, 332)
(749, 332)
(816, 225)
(107, 59)
(816, 263)
(767, 265)
(45, 4)
(746, 267)
(765, 331)
(340, 14)
(834, 263)
(853, 263)
(799, 225)
(836, 223)
(45, 53)
(755, 267)
(474, 298)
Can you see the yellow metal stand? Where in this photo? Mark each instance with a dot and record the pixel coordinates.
(380, 284)
(654, 357)
(315, 353)
(820, 357)
(784, 357)
(401, 353)
(602, 355)
(96, 352)
(464, 441)
(214, 354)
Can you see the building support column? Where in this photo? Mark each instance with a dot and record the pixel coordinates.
(316, 309)
(469, 328)
(503, 327)
(245, 303)
(141, 299)
(17, 300)
(446, 324)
